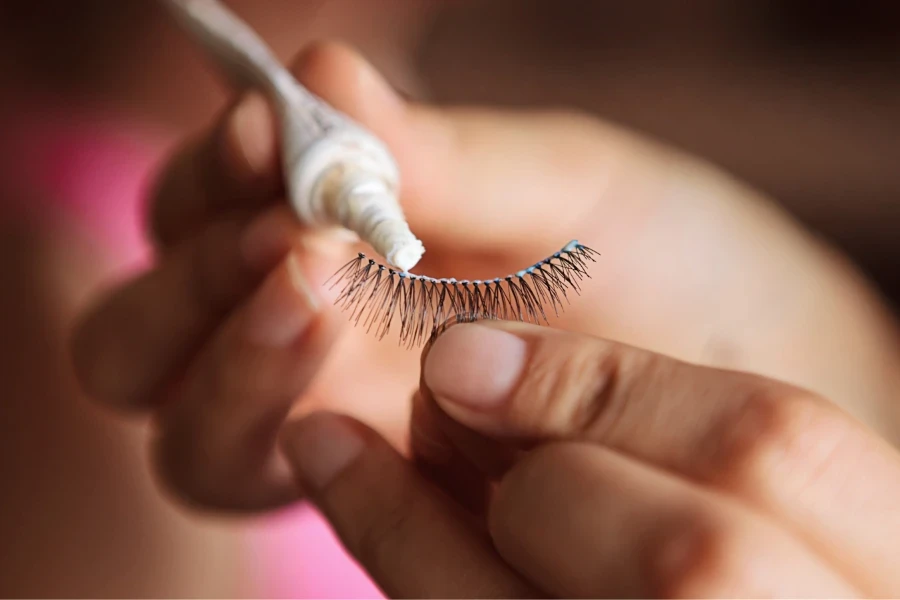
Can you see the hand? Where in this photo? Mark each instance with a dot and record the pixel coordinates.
(614, 472)
(232, 326)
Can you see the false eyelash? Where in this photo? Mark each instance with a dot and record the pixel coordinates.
(375, 294)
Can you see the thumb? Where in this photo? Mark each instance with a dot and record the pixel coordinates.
(525, 383)
(517, 382)
(791, 454)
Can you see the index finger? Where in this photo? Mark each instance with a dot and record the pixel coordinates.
(237, 162)
(233, 166)
(780, 449)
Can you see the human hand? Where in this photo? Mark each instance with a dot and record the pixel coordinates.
(606, 471)
(232, 326)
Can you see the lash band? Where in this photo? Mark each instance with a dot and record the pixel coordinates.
(378, 301)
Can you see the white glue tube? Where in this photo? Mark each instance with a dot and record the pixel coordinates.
(337, 173)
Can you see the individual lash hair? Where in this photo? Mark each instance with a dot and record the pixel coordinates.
(377, 296)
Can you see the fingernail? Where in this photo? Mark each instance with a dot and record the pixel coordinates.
(440, 330)
(252, 131)
(320, 447)
(327, 245)
(376, 88)
(674, 554)
(475, 365)
(299, 283)
(336, 235)
(283, 307)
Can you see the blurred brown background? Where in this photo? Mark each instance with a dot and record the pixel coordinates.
(801, 98)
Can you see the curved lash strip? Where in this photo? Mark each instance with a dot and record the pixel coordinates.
(376, 295)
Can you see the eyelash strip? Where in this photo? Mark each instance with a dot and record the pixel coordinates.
(376, 295)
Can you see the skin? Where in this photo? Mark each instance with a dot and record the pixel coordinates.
(77, 491)
(779, 94)
(80, 490)
(613, 472)
(232, 332)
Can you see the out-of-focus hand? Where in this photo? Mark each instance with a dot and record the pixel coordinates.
(594, 469)
(232, 326)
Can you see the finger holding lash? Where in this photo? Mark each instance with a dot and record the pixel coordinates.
(777, 449)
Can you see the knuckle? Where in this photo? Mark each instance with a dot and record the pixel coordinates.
(383, 531)
(773, 431)
(531, 469)
(204, 465)
(102, 347)
(183, 465)
(516, 497)
(87, 357)
(694, 561)
(567, 388)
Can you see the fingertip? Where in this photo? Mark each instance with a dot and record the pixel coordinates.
(284, 307)
(474, 366)
(102, 361)
(250, 139)
(233, 166)
(320, 447)
(81, 351)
